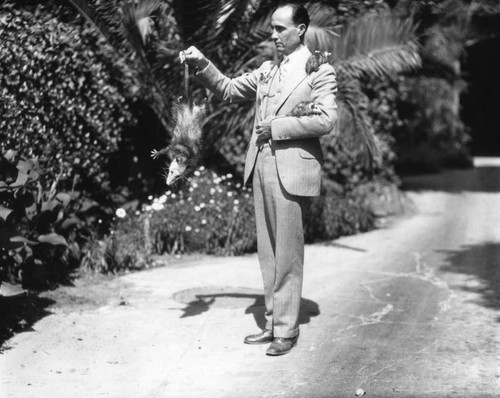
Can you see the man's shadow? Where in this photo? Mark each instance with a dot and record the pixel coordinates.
(203, 302)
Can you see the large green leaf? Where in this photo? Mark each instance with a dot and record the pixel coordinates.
(22, 239)
(4, 212)
(53, 239)
(21, 180)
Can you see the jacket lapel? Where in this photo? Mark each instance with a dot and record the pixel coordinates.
(294, 77)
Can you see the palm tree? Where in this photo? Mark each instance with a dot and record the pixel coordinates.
(233, 33)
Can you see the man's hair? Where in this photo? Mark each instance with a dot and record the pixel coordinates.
(299, 13)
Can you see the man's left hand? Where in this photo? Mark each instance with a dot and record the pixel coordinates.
(263, 133)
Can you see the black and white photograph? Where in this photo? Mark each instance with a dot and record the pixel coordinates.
(249, 198)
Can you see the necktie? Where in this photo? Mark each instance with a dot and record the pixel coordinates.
(283, 68)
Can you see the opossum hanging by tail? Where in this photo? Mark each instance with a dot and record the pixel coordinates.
(186, 146)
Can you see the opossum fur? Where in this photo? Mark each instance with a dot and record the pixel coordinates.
(305, 109)
(186, 145)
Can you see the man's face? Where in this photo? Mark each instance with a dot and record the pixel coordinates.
(286, 35)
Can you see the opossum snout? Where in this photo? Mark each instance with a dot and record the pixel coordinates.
(176, 170)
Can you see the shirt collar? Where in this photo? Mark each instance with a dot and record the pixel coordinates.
(297, 54)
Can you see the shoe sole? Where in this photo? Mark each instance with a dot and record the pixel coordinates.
(257, 342)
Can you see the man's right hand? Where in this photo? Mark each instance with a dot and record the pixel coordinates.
(194, 57)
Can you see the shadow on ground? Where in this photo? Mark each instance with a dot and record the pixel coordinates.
(479, 179)
(18, 313)
(203, 303)
(483, 262)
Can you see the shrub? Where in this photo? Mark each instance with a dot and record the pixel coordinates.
(212, 214)
(209, 213)
(432, 135)
(335, 214)
(58, 99)
(43, 232)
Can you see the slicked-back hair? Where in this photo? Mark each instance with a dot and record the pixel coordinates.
(299, 13)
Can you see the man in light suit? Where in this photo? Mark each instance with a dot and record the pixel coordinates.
(284, 161)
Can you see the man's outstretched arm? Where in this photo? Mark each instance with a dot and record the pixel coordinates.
(240, 88)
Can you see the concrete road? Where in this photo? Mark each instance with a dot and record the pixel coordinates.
(411, 310)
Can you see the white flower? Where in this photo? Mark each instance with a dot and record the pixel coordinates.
(203, 221)
(201, 168)
(238, 185)
(191, 189)
(212, 201)
(197, 173)
(188, 228)
(197, 208)
(157, 206)
(229, 194)
(212, 191)
(229, 175)
(236, 201)
(120, 213)
(195, 185)
(202, 205)
(148, 208)
(150, 197)
(162, 199)
(174, 195)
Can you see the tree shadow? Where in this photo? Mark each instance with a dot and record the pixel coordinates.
(204, 302)
(18, 313)
(482, 261)
(478, 179)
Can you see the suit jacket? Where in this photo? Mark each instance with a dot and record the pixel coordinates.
(295, 140)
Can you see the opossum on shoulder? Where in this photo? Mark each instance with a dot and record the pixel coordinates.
(186, 145)
(305, 108)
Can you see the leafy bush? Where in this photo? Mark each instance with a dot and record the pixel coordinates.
(335, 214)
(43, 232)
(212, 214)
(58, 99)
(431, 135)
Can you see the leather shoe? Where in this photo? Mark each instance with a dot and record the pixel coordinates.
(266, 336)
(281, 346)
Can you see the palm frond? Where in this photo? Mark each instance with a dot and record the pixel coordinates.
(87, 10)
(195, 18)
(382, 62)
(356, 133)
(370, 33)
(322, 29)
(137, 22)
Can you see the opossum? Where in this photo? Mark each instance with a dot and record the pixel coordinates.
(305, 108)
(186, 146)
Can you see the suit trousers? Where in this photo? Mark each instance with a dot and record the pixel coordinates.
(280, 244)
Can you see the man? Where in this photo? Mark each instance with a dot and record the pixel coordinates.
(284, 160)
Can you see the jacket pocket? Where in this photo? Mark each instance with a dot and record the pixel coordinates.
(306, 154)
